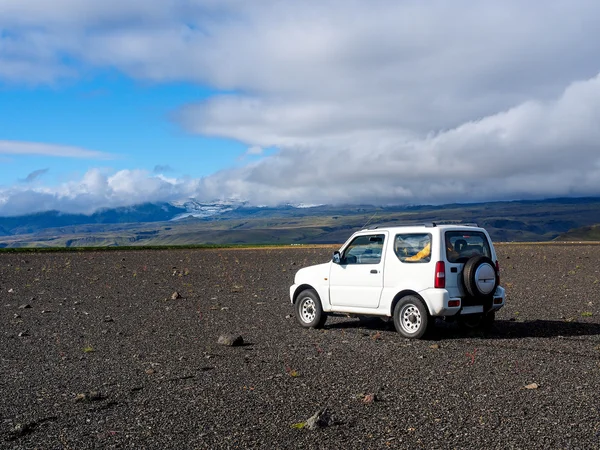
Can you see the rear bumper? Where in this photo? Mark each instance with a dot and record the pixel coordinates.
(437, 302)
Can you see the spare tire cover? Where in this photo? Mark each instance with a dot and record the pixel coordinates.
(480, 276)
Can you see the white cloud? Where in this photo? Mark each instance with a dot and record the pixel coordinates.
(380, 101)
(93, 191)
(255, 150)
(42, 149)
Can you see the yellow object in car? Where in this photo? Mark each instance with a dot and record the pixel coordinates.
(424, 253)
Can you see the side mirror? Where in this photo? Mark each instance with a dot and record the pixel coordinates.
(336, 257)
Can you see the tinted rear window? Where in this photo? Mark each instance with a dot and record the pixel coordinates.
(413, 248)
(462, 245)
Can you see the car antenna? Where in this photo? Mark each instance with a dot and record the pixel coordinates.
(369, 221)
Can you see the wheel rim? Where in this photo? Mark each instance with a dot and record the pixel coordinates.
(308, 310)
(410, 318)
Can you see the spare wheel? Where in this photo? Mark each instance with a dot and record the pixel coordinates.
(480, 277)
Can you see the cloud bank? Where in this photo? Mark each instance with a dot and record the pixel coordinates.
(43, 149)
(379, 102)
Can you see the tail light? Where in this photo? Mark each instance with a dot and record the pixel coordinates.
(440, 275)
(498, 271)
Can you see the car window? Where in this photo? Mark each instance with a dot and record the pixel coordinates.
(364, 250)
(413, 247)
(462, 245)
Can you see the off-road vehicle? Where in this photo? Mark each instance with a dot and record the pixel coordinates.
(412, 274)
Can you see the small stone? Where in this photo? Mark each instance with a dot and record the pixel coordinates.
(21, 429)
(25, 306)
(369, 398)
(230, 340)
(23, 334)
(175, 295)
(108, 319)
(532, 386)
(17, 316)
(90, 396)
(320, 419)
(150, 371)
(11, 291)
(45, 311)
(289, 316)
(225, 308)
(435, 346)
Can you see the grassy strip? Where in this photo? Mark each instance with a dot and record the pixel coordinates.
(162, 247)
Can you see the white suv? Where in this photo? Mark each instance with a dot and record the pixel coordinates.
(411, 273)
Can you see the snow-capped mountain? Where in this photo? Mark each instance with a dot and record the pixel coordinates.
(202, 210)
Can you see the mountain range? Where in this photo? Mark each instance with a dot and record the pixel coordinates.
(231, 222)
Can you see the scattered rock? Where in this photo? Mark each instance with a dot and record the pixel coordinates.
(369, 398)
(225, 308)
(11, 291)
(24, 334)
(320, 419)
(175, 295)
(532, 386)
(25, 306)
(150, 371)
(435, 346)
(21, 429)
(230, 340)
(91, 396)
(289, 316)
(17, 316)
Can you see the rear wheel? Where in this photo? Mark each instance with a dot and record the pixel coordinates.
(487, 323)
(411, 317)
(474, 321)
(470, 321)
(308, 309)
(480, 277)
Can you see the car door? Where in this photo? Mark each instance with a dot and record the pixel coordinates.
(357, 280)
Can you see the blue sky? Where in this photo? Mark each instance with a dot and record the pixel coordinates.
(392, 102)
(130, 122)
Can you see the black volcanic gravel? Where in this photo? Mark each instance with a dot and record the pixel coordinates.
(105, 358)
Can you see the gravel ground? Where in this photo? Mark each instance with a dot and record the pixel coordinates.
(105, 358)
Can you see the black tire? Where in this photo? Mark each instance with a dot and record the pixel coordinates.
(488, 321)
(477, 321)
(470, 276)
(470, 321)
(411, 317)
(308, 309)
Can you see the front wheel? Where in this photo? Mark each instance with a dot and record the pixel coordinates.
(309, 311)
(411, 318)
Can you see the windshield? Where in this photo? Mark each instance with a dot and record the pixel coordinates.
(462, 245)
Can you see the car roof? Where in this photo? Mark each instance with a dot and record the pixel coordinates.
(422, 227)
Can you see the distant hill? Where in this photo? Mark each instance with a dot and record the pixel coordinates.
(32, 223)
(193, 222)
(591, 233)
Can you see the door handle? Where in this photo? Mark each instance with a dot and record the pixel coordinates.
(374, 271)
